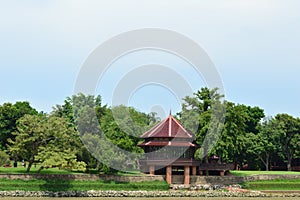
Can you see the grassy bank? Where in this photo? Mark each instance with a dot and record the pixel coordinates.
(33, 170)
(71, 185)
(22, 170)
(277, 184)
(249, 173)
(55, 170)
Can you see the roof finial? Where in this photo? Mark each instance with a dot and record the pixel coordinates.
(170, 112)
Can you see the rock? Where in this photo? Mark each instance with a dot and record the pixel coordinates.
(175, 193)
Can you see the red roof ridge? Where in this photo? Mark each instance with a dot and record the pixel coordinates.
(173, 129)
(182, 127)
(170, 127)
(151, 131)
(167, 143)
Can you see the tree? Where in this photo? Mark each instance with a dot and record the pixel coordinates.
(28, 138)
(65, 110)
(85, 106)
(60, 149)
(287, 129)
(206, 115)
(263, 144)
(231, 142)
(120, 132)
(110, 134)
(9, 114)
(203, 114)
(45, 139)
(123, 126)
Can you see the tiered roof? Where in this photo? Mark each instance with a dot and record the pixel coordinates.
(163, 134)
(168, 128)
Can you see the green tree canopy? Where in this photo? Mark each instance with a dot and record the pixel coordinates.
(263, 144)
(287, 130)
(9, 114)
(203, 114)
(45, 139)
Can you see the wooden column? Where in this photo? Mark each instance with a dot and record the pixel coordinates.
(194, 170)
(169, 174)
(186, 175)
(152, 170)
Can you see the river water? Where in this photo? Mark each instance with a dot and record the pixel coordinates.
(162, 198)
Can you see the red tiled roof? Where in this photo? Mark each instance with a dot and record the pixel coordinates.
(168, 128)
(167, 143)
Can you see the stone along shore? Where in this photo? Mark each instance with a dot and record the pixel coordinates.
(170, 193)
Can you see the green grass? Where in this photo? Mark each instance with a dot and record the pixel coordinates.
(249, 173)
(34, 169)
(131, 173)
(277, 184)
(72, 185)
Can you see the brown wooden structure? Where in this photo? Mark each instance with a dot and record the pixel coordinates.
(169, 149)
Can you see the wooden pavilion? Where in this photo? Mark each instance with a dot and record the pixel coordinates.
(169, 149)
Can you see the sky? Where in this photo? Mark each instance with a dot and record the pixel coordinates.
(254, 45)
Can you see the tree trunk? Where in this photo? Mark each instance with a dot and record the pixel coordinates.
(31, 161)
(15, 163)
(289, 164)
(267, 165)
(220, 160)
(206, 159)
(267, 161)
(205, 151)
(40, 169)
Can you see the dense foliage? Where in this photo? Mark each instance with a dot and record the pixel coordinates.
(4, 158)
(246, 137)
(82, 131)
(9, 114)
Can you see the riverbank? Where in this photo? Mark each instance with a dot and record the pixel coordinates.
(54, 185)
(141, 194)
(70, 185)
(76, 188)
(276, 184)
(70, 182)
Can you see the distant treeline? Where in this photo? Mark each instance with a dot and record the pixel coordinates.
(230, 132)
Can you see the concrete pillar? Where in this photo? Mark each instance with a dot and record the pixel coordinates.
(169, 174)
(152, 170)
(194, 170)
(186, 175)
(222, 173)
